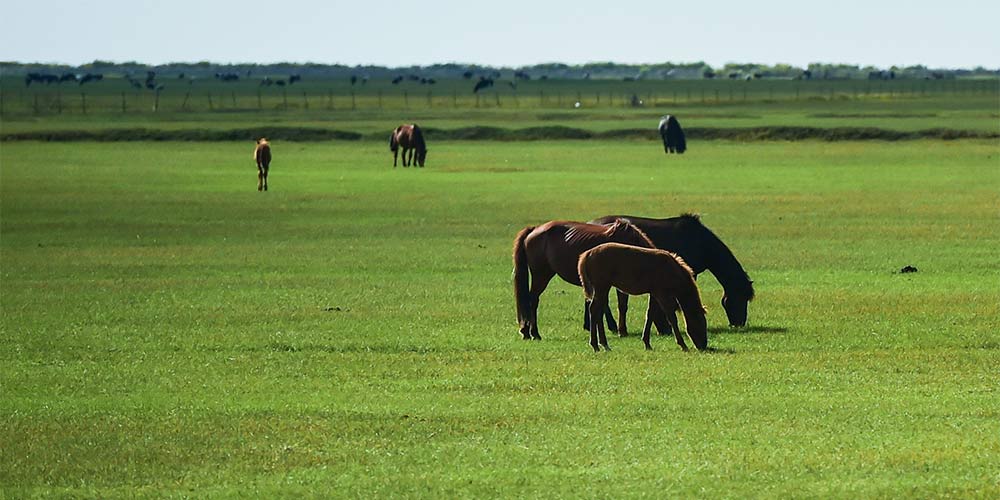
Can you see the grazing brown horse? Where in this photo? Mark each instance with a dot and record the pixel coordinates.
(262, 155)
(411, 139)
(636, 271)
(554, 248)
(701, 249)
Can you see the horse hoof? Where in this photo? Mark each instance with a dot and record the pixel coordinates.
(607, 347)
(536, 337)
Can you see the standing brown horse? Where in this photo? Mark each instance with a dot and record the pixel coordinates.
(262, 155)
(554, 248)
(633, 270)
(411, 139)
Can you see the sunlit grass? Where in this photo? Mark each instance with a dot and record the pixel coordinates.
(167, 330)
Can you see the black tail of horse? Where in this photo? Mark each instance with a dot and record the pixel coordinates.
(521, 293)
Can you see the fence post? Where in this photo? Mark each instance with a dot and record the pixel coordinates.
(354, 101)
(156, 103)
(210, 105)
(83, 101)
(125, 107)
(233, 95)
(430, 103)
(380, 99)
(497, 96)
(35, 106)
(406, 100)
(305, 100)
(260, 104)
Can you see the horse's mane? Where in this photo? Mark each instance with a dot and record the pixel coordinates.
(680, 260)
(625, 223)
(724, 253)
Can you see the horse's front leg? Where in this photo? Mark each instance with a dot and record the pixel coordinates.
(260, 178)
(406, 157)
(648, 327)
(395, 156)
(668, 303)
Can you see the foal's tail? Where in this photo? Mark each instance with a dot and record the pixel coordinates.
(521, 292)
(581, 268)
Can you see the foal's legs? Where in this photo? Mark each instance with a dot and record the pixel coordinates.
(607, 315)
(622, 311)
(598, 303)
(395, 156)
(260, 177)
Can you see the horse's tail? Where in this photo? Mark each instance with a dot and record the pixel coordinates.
(521, 292)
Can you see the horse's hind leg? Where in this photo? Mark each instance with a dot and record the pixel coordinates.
(260, 178)
(395, 156)
(265, 177)
(539, 281)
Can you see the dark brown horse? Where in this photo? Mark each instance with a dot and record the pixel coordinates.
(554, 248)
(411, 139)
(701, 249)
(262, 155)
(636, 271)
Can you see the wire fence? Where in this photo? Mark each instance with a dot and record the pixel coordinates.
(216, 97)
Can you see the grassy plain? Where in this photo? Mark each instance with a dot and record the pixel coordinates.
(169, 331)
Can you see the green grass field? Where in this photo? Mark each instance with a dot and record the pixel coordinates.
(169, 331)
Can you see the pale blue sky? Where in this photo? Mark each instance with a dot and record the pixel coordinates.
(938, 34)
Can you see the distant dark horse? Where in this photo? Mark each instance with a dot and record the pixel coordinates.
(636, 271)
(411, 139)
(672, 135)
(554, 248)
(262, 155)
(701, 249)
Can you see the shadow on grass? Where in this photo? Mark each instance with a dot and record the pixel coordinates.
(716, 351)
(749, 329)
